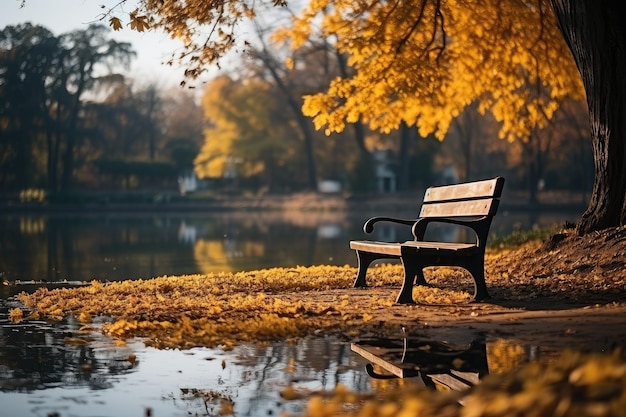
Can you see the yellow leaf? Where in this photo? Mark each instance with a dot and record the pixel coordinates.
(139, 23)
(74, 341)
(84, 317)
(16, 315)
(115, 23)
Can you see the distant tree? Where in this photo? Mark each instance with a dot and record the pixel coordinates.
(86, 52)
(568, 159)
(221, 133)
(183, 127)
(183, 115)
(134, 124)
(28, 55)
(467, 127)
(246, 135)
(276, 71)
(151, 107)
(121, 123)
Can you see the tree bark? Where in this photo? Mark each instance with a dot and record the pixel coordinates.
(596, 35)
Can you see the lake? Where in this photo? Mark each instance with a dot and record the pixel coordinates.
(48, 368)
(114, 246)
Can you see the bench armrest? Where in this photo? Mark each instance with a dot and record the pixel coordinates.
(368, 227)
(477, 225)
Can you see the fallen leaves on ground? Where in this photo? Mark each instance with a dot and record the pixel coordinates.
(217, 309)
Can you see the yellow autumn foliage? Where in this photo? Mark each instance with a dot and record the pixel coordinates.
(212, 158)
(418, 61)
(240, 132)
(423, 62)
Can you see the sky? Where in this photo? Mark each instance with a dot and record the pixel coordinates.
(61, 16)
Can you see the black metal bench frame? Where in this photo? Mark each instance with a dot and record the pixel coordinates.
(470, 204)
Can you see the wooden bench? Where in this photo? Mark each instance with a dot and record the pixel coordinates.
(471, 204)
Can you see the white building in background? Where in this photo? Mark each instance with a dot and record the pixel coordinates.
(187, 182)
(329, 186)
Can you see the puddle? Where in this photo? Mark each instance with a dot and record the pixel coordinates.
(179, 383)
(97, 379)
(48, 368)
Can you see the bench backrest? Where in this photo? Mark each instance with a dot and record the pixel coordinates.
(470, 199)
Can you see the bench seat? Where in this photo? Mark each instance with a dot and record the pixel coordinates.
(411, 245)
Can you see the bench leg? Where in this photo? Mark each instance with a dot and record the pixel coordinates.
(411, 270)
(477, 269)
(420, 279)
(364, 261)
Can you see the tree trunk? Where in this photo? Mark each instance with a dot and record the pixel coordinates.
(359, 136)
(403, 157)
(67, 175)
(303, 122)
(54, 139)
(359, 129)
(596, 35)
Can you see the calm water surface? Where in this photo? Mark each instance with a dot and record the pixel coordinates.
(115, 246)
(48, 368)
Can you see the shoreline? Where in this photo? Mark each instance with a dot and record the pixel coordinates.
(305, 202)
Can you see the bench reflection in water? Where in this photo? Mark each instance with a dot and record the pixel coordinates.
(438, 364)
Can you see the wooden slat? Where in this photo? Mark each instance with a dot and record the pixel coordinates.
(395, 249)
(486, 188)
(377, 247)
(449, 382)
(471, 377)
(451, 246)
(470, 208)
(374, 354)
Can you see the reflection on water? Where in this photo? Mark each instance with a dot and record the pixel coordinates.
(114, 246)
(440, 364)
(412, 357)
(38, 356)
(45, 369)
